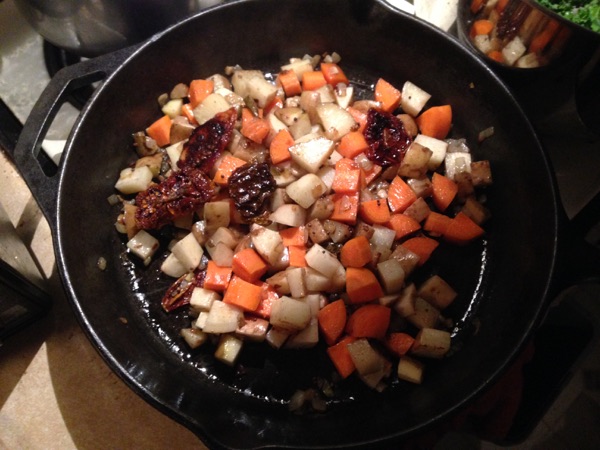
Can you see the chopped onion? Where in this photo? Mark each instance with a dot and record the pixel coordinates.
(484, 134)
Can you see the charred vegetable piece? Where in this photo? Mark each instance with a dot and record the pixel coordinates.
(250, 187)
(207, 142)
(180, 292)
(387, 138)
(178, 195)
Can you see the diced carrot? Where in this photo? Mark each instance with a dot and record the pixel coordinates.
(312, 80)
(482, 26)
(188, 112)
(476, 5)
(333, 74)
(199, 90)
(226, 167)
(352, 144)
(340, 357)
(422, 246)
(462, 230)
(280, 147)
(374, 211)
(387, 95)
(356, 252)
(435, 121)
(436, 223)
(359, 117)
(332, 321)
(444, 190)
(403, 225)
(370, 174)
(217, 278)
(297, 254)
(293, 236)
(400, 195)
(347, 176)
(243, 294)
(362, 285)
(248, 265)
(541, 40)
(496, 55)
(267, 297)
(399, 343)
(345, 208)
(160, 131)
(369, 321)
(290, 83)
(254, 128)
(501, 5)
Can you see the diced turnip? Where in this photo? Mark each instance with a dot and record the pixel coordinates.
(481, 173)
(209, 107)
(457, 162)
(289, 314)
(289, 214)
(338, 232)
(188, 251)
(193, 337)
(252, 83)
(132, 181)
(513, 50)
(407, 259)
(382, 236)
(276, 337)
(418, 210)
(295, 276)
(366, 359)
(415, 161)
(143, 245)
(437, 147)
(279, 282)
(410, 369)
(336, 121)
(528, 61)
(326, 174)
(322, 260)
(276, 124)
(223, 318)
(284, 175)
(306, 190)
(253, 328)
(482, 43)
(224, 235)
(202, 299)
(235, 100)
(344, 97)
(316, 281)
(216, 214)
(391, 275)
(267, 243)
(431, 343)
(288, 115)
(475, 210)
(437, 291)
(172, 108)
(305, 338)
(413, 98)
(422, 187)
(311, 155)
(326, 94)
(321, 209)
(425, 316)
(201, 320)
(221, 254)
(172, 267)
(299, 66)
(338, 280)
(229, 348)
(315, 301)
(405, 305)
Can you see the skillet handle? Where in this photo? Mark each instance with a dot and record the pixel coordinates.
(36, 168)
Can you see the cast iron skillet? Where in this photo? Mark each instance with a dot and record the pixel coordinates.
(503, 282)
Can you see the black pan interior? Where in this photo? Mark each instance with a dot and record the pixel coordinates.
(502, 282)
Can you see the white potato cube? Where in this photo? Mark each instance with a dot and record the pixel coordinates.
(188, 251)
(209, 107)
(513, 50)
(322, 260)
(413, 98)
(174, 153)
(268, 243)
(436, 291)
(223, 318)
(306, 190)
(299, 66)
(366, 359)
(425, 316)
(289, 214)
(172, 267)
(415, 161)
(143, 245)
(312, 154)
(344, 97)
(201, 320)
(289, 314)
(252, 83)
(172, 108)
(457, 162)
(254, 329)
(405, 305)
(276, 337)
(431, 343)
(216, 214)
(316, 281)
(132, 181)
(336, 121)
(382, 237)
(295, 276)
(202, 299)
(221, 254)
(391, 275)
(193, 337)
(228, 349)
(410, 369)
(305, 338)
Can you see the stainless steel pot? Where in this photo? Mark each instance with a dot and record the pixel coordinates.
(94, 27)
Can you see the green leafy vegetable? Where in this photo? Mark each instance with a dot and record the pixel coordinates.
(582, 12)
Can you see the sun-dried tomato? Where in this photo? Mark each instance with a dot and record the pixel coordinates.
(387, 138)
(180, 194)
(180, 292)
(250, 186)
(207, 142)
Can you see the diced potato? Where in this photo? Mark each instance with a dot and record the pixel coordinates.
(181, 130)
(252, 83)
(202, 299)
(407, 259)
(289, 115)
(513, 50)
(299, 66)
(481, 173)
(437, 147)
(436, 291)
(311, 155)
(201, 320)
(338, 232)
(221, 254)
(431, 343)
(209, 107)
(410, 369)
(305, 338)
(235, 100)
(224, 235)
(382, 236)
(321, 209)
(172, 267)
(193, 337)
(322, 260)
(315, 301)
(253, 328)
(188, 251)
(418, 210)
(326, 174)
(284, 175)
(482, 43)
(216, 214)
(301, 127)
(276, 337)
(315, 281)
(366, 359)
(344, 97)
(289, 214)
(457, 162)
(153, 162)
(316, 232)
(422, 187)
(267, 243)
(405, 305)
(295, 276)
(132, 181)
(172, 108)
(415, 161)
(279, 282)
(289, 314)
(391, 275)
(306, 190)
(143, 245)
(223, 318)
(475, 210)
(338, 281)
(528, 61)
(413, 98)
(425, 316)
(228, 349)
(335, 120)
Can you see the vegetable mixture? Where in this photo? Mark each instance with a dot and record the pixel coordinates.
(300, 214)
